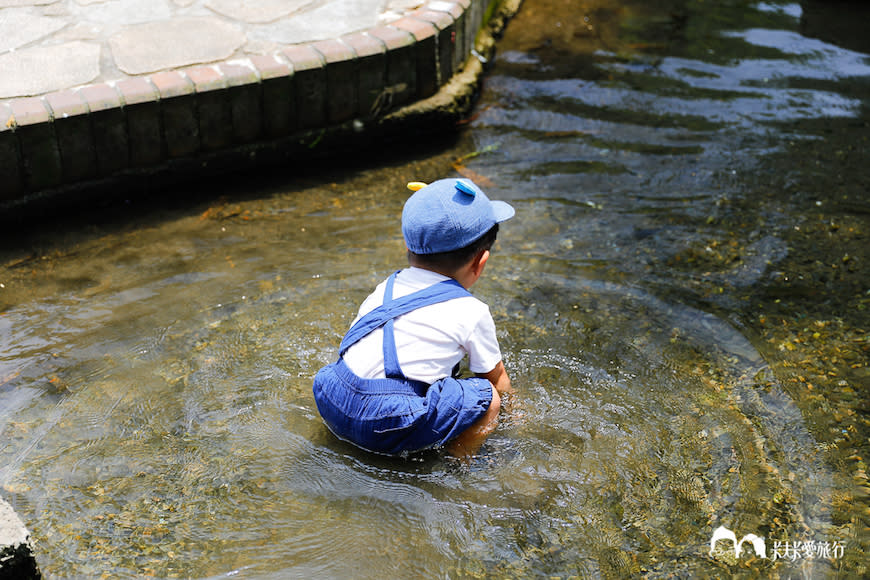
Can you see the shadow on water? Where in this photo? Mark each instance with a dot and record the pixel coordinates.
(681, 302)
(148, 200)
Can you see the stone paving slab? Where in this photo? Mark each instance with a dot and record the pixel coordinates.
(20, 27)
(92, 90)
(155, 46)
(58, 66)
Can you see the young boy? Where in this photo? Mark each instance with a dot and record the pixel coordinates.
(392, 390)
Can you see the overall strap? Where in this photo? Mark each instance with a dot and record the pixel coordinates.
(392, 369)
(378, 317)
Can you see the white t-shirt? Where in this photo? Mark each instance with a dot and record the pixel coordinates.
(429, 340)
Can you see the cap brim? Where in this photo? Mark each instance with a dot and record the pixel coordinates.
(502, 210)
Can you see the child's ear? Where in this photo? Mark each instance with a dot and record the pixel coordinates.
(480, 262)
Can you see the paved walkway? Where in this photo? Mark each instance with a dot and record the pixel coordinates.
(96, 89)
(49, 45)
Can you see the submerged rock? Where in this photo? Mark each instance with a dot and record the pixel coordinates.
(16, 550)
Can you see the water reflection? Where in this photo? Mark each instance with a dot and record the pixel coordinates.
(673, 302)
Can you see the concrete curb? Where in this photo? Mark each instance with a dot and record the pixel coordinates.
(16, 551)
(240, 112)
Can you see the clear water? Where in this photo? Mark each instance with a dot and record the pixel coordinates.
(681, 301)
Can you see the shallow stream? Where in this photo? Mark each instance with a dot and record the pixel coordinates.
(682, 303)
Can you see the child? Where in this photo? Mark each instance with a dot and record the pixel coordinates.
(392, 389)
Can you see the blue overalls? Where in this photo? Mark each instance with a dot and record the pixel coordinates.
(396, 415)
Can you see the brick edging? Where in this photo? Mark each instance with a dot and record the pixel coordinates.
(86, 134)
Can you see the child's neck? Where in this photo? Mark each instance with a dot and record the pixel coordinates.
(436, 270)
(466, 275)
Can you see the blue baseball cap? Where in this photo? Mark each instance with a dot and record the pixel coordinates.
(449, 214)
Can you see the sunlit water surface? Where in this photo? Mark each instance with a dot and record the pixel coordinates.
(680, 301)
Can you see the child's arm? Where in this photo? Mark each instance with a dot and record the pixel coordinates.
(499, 378)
